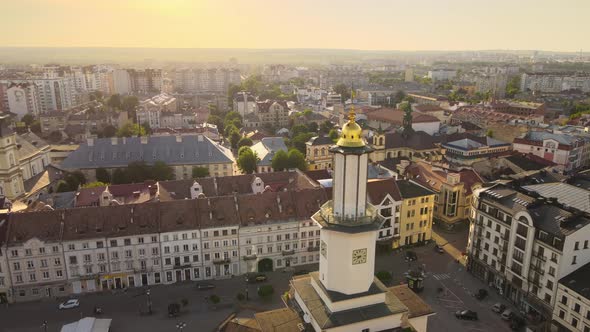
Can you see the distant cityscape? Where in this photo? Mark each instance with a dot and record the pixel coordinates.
(157, 172)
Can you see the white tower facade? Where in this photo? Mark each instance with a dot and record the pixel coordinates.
(349, 225)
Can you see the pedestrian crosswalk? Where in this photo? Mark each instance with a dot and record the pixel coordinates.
(441, 276)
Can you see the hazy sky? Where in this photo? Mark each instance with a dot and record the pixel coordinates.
(560, 25)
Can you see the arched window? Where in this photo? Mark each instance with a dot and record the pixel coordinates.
(381, 140)
(11, 159)
(315, 152)
(323, 151)
(1, 190)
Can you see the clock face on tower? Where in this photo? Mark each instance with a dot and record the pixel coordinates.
(324, 249)
(359, 256)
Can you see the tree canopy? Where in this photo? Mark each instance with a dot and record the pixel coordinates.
(102, 175)
(139, 171)
(247, 160)
(343, 90)
(245, 141)
(200, 172)
(280, 161)
(130, 129)
(297, 160)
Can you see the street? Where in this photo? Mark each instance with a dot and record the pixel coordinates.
(127, 309)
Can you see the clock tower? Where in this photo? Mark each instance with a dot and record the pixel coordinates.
(348, 223)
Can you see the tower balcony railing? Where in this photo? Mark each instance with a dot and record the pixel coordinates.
(326, 212)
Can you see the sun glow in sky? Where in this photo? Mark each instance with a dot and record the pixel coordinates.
(559, 25)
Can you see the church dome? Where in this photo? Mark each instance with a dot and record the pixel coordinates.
(352, 133)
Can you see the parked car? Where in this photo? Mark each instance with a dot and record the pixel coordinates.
(253, 278)
(439, 249)
(466, 314)
(507, 314)
(498, 308)
(411, 256)
(481, 294)
(69, 304)
(205, 286)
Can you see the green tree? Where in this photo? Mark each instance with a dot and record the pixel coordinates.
(36, 127)
(115, 101)
(214, 299)
(216, 120)
(121, 176)
(312, 127)
(343, 90)
(407, 120)
(160, 171)
(265, 291)
(298, 129)
(247, 160)
(280, 161)
(513, 87)
(95, 184)
(490, 133)
(95, 95)
(326, 126)
(297, 160)
(240, 297)
(28, 119)
(307, 112)
(102, 175)
(138, 171)
(200, 172)
(230, 129)
(131, 129)
(63, 187)
(233, 118)
(299, 141)
(399, 97)
(334, 135)
(245, 141)
(109, 131)
(234, 139)
(129, 103)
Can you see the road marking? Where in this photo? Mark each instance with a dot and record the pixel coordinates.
(441, 276)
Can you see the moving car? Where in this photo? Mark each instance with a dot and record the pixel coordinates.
(507, 314)
(253, 278)
(466, 314)
(69, 304)
(205, 285)
(481, 294)
(498, 308)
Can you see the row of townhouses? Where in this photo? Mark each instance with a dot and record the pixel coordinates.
(55, 253)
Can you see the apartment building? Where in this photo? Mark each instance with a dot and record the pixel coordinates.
(317, 153)
(466, 149)
(205, 80)
(265, 150)
(34, 256)
(522, 241)
(416, 212)
(572, 306)
(442, 74)
(268, 113)
(145, 81)
(568, 151)
(453, 189)
(22, 99)
(554, 82)
(385, 196)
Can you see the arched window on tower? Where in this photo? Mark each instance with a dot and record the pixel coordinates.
(11, 159)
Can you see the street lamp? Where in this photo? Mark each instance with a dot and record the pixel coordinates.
(149, 301)
(246, 293)
(180, 326)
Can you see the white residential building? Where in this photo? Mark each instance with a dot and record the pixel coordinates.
(572, 304)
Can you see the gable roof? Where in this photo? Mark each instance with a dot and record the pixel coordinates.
(377, 190)
(320, 140)
(424, 174)
(267, 147)
(409, 189)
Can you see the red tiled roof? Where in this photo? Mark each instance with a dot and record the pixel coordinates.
(379, 188)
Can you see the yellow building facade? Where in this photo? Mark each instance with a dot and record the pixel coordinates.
(416, 213)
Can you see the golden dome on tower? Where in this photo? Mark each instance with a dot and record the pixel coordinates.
(352, 133)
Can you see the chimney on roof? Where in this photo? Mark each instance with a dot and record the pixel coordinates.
(453, 178)
(114, 140)
(124, 140)
(178, 138)
(200, 138)
(144, 139)
(90, 141)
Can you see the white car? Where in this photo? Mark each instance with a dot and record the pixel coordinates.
(70, 304)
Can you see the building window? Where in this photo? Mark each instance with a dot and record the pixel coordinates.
(574, 260)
